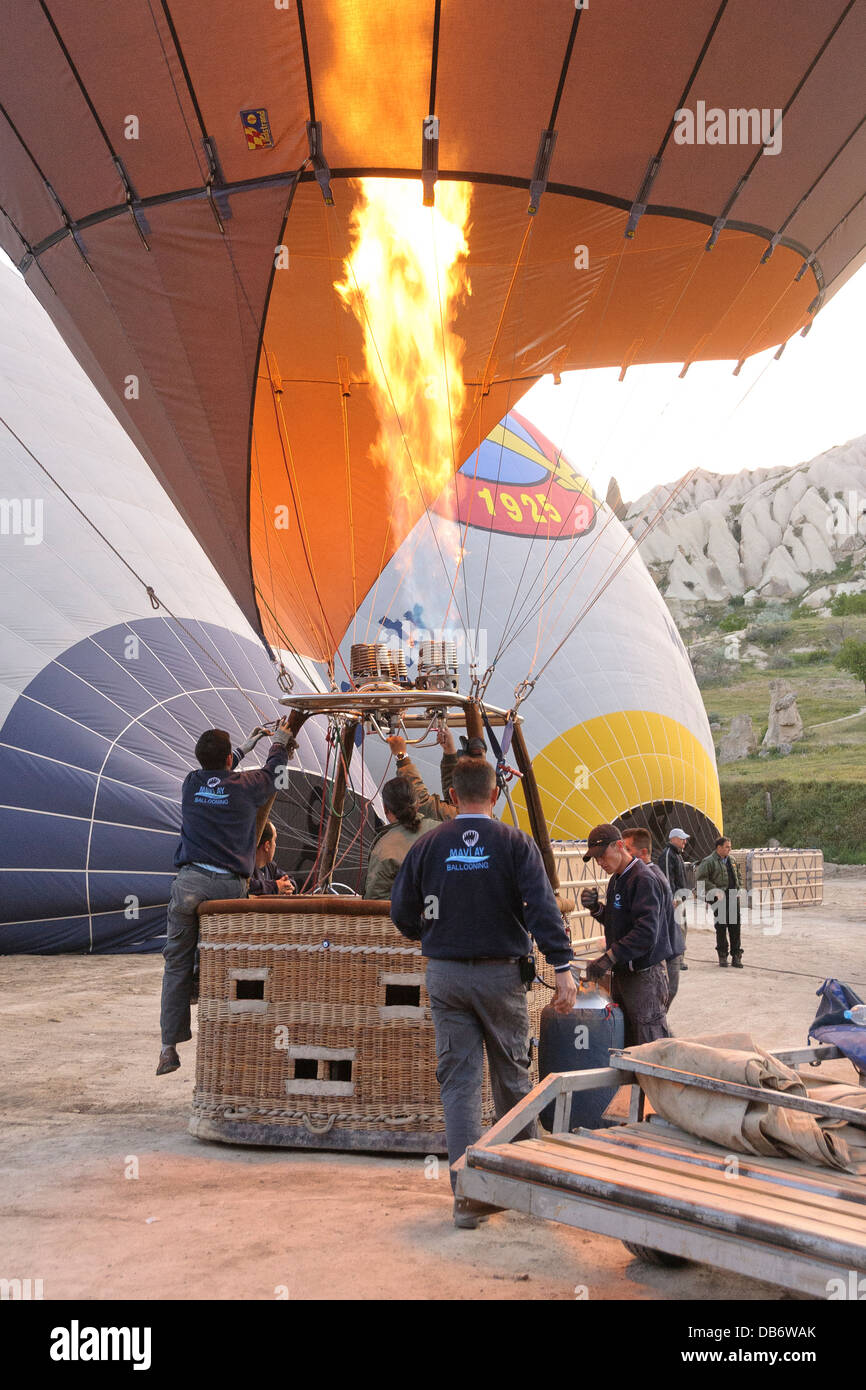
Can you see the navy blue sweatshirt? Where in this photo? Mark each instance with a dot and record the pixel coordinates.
(218, 814)
(264, 880)
(674, 931)
(635, 919)
(475, 887)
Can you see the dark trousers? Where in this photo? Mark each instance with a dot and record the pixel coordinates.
(191, 887)
(673, 964)
(642, 996)
(478, 1007)
(723, 932)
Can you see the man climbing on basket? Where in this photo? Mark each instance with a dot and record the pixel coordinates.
(214, 859)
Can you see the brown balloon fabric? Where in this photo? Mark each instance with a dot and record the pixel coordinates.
(156, 158)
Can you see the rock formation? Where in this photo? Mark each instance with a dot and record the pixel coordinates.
(785, 725)
(740, 740)
(771, 533)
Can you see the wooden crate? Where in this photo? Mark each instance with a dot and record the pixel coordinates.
(798, 874)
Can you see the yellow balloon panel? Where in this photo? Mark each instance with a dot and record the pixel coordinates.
(602, 769)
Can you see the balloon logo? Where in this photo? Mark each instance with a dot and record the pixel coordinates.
(213, 781)
(470, 838)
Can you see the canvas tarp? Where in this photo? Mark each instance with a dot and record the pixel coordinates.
(745, 1126)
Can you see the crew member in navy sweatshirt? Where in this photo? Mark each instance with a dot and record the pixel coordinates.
(214, 859)
(474, 892)
(635, 933)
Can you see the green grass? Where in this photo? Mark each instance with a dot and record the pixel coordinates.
(818, 791)
(827, 815)
(823, 692)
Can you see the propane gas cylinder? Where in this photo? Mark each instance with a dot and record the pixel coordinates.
(579, 1041)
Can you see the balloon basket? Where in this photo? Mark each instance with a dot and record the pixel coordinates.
(314, 1029)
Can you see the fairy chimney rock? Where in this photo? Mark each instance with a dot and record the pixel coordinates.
(740, 741)
(785, 724)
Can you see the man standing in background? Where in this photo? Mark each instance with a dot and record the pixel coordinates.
(670, 861)
(719, 872)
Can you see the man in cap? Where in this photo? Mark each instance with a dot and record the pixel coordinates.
(635, 934)
(670, 861)
(639, 842)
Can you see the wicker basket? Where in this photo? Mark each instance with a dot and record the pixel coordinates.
(315, 1029)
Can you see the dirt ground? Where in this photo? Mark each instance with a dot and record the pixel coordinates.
(83, 1112)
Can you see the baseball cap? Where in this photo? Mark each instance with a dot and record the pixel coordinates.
(599, 839)
(678, 835)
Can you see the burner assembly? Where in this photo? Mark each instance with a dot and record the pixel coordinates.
(437, 666)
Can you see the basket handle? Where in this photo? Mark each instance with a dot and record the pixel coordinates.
(320, 1128)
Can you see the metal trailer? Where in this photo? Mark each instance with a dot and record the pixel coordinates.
(670, 1197)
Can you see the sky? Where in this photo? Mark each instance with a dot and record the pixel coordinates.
(652, 428)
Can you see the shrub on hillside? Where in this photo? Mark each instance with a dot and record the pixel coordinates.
(734, 622)
(848, 605)
(811, 658)
(851, 657)
(828, 815)
(774, 633)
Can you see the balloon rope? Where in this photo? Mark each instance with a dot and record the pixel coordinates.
(289, 465)
(651, 525)
(519, 264)
(543, 567)
(288, 567)
(155, 600)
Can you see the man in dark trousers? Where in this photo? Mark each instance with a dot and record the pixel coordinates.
(639, 843)
(474, 892)
(719, 872)
(671, 863)
(634, 930)
(214, 859)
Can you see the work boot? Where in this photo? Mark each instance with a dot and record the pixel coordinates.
(737, 960)
(168, 1060)
(468, 1213)
(723, 959)
(683, 965)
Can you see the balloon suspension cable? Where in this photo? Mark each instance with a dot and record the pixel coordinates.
(155, 601)
(527, 685)
(358, 836)
(523, 690)
(602, 585)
